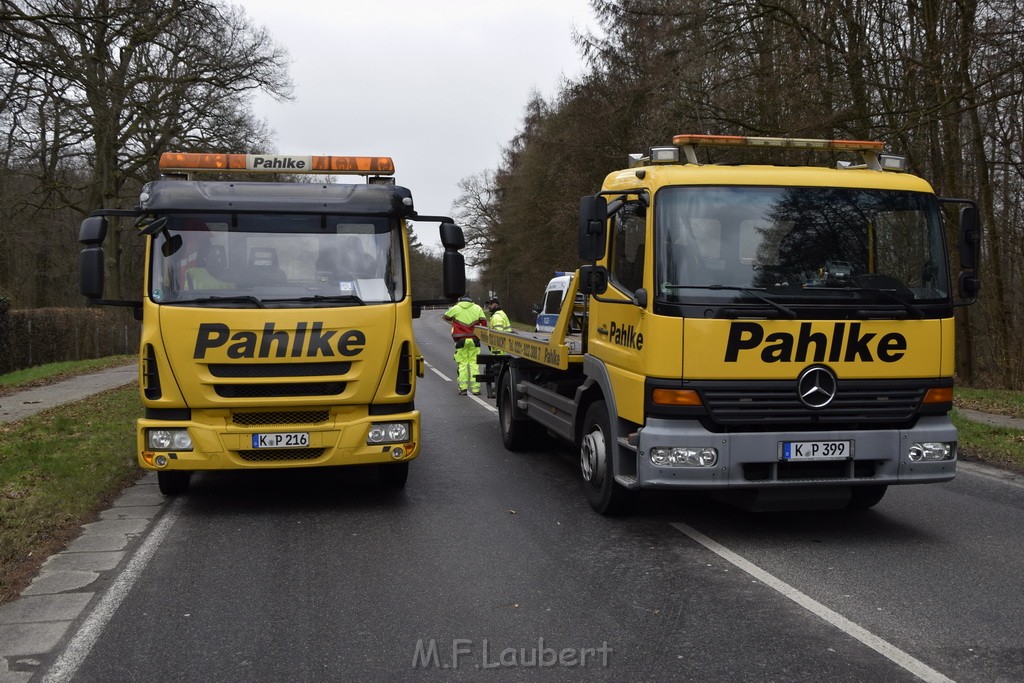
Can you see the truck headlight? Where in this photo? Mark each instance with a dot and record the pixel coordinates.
(665, 456)
(388, 432)
(931, 450)
(168, 440)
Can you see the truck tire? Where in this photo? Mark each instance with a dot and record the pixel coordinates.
(516, 433)
(393, 475)
(173, 482)
(864, 497)
(598, 466)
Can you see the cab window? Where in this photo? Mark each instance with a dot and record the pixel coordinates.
(629, 233)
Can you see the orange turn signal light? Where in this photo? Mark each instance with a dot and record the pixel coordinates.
(939, 395)
(675, 397)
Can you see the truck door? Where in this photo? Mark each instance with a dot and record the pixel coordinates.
(617, 333)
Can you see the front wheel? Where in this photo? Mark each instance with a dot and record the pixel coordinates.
(598, 466)
(393, 475)
(864, 497)
(516, 433)
(173, 482)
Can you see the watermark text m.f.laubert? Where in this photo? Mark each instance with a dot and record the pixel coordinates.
(483, 654)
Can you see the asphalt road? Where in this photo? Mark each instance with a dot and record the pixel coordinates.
(492, 565)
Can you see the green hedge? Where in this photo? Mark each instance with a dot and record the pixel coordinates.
(34, 336)
(5, 325)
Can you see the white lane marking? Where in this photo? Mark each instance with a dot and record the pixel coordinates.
(81, 644)
(478, 399)
(439, 373)
(484, 403)
(886, 649)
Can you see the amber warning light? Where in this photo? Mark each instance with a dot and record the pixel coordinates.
(191, 162)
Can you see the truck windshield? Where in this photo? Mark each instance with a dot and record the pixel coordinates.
(246, 260)
(799, 244)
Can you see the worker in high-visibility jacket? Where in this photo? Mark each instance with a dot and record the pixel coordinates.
(465, 316)
(498, 321)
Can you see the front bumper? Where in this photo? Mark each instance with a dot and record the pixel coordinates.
(218, 444)
(750, 460)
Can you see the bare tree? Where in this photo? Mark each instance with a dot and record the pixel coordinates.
(940, 80)
(116, 82)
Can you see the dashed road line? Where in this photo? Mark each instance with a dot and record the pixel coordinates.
(479, 400)
(439, 373)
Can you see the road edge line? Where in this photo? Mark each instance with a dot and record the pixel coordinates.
(81, 644)
(883, 647)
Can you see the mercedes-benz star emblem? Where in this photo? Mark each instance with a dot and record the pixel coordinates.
(816, 386)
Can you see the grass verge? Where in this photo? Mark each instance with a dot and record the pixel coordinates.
(49, 373)
(997, 446)
(998, 401)
(58, 470)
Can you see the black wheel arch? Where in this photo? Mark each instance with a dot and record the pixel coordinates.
(598, 387)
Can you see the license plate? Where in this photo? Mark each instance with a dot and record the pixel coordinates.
(817, 450)
(281, 440)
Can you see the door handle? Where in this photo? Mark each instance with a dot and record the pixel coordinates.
(602, 330)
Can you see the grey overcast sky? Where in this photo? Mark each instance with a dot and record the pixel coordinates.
(438, 85)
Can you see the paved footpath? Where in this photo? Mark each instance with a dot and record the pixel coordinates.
(85, 576)
(31, 401)
(37, 621)
(33, 625)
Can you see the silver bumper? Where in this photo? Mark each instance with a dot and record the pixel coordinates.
(751, 460)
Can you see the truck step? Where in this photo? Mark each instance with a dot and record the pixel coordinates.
(627, 481)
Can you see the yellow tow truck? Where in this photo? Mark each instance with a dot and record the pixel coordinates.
(781, 336)
(276, 316)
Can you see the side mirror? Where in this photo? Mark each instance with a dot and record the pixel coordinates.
(452, 236)
(969, 284)
(171, 245)
(93, 231)
(593, 217)
(593, 280)
(454, 266)
(537, 308)
(153, 227)
(640, 297)
(90, 272)
(970, 238)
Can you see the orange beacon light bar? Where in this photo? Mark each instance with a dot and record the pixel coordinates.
(790, 143)
(193, 162)
(868, 149)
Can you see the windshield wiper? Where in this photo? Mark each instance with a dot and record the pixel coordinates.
(755, 293)
(892, 296)
(238, 298)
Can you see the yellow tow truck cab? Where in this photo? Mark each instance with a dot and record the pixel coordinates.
(276, 316)
(780, 335)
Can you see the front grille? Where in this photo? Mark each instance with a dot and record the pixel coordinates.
(773, 404)
(294, 417)
(236, 370)
(831, 470)
(279, 390)
(281, 455)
